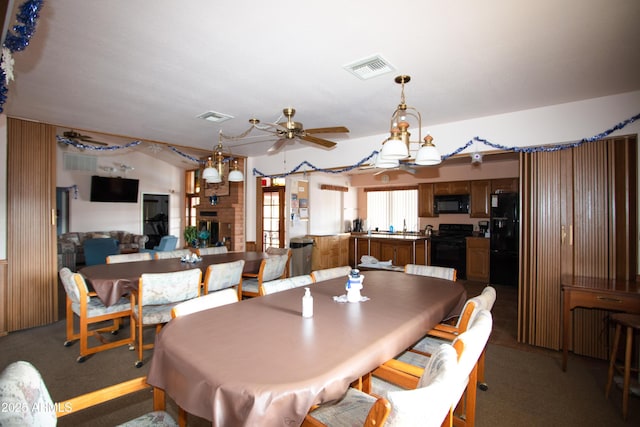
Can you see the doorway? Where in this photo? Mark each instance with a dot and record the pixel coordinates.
(62, 210)
(155, 216)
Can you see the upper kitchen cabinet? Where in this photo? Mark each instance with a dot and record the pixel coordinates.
(505, 185)
(451, 188)
(480, 194)
(425, 201)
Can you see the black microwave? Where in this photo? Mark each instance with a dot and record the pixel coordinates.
(452, 204)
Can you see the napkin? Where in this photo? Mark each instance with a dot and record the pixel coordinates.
(343, 298)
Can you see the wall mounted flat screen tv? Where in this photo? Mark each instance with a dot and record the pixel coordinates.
(110, 189)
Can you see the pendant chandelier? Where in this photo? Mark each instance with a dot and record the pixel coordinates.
(396, 147)
(214, 169)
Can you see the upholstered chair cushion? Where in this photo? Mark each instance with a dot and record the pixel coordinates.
(431, 271)
(351, 410)
(428, 404)
(166, 288)
(24, 396)
(223, 275)
(204, 302)
(331, 273)
(178, 253)
(155, 418)
(70, 286)
(212, 250)
(274, 267)
(280, 285)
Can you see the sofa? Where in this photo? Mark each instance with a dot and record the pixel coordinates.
(71, 251)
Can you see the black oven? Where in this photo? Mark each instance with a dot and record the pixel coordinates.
(449, 247)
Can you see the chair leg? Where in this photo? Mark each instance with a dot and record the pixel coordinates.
(612, 361)
(481, 382)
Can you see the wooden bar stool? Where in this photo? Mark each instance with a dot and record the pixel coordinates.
(631, 322)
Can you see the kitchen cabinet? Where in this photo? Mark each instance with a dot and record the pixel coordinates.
(478, 259)
(329, 251)
(425, 201)
(504, 185)
(451, 188)
(400, 250)
(579, 211)
(480, 195)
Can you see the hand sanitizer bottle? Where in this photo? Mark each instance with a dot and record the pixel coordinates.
(307, 303)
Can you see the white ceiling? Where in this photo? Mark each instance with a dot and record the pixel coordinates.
(146, 69)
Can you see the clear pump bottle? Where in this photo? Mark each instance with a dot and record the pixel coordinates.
(307, 303)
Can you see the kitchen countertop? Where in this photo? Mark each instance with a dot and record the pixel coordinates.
(391, 236)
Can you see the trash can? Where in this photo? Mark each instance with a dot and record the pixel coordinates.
(301, 248)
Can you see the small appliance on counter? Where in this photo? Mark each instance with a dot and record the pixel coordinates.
(358, 225)
(483, 226)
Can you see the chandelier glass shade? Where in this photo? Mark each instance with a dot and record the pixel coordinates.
(428, 154)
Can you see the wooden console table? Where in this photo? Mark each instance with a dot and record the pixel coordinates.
(591, 292)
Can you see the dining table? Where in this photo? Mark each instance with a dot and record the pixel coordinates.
(260, 362)
(112, 281)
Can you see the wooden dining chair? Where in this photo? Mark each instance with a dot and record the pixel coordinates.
(157, 294)
(431, 271)
(92, 314)
(28, 401)
(281, 251)
(136, 256)
(280, 285)
(427, 405)
(403, 372)
(205, 302)
(271, 268)
(224, 275)
(444, 332)
(331, 273)
(212, 250)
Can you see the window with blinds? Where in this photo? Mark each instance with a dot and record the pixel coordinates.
(397, 208)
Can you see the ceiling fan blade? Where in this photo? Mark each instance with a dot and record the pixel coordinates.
(90, 140)
(278, 145)
(324, 142)
(336, 129)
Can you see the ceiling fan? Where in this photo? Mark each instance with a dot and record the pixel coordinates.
(289, 130)
(83, 139)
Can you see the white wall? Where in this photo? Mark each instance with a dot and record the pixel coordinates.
(541, 126)
(156, 177)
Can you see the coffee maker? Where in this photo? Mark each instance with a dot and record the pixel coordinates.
(483, 226)
(357, 225)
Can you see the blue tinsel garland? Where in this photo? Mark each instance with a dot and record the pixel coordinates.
(18, 40)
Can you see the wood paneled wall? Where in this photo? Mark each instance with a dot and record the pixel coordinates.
(31, 292)
(579, 216)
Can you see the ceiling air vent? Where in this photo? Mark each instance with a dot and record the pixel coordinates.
(214, 116)
(370, 67)
(78, 162)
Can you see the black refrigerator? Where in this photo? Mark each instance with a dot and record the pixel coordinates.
(504, 230)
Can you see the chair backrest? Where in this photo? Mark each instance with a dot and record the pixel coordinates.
(167, 243)
(167, 288)
(204, 302)
(137, 256)
(429, 404)
(178, 253)
(475, 339)
(281, 251)
(212, 250)
(25, 396)
(331, 273)
(223, 275)
(273, 267)
(97, 250)
(280, 285)
(488, 297)
(431, 271)
(67, 277)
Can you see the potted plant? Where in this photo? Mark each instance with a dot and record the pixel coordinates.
(191, 235)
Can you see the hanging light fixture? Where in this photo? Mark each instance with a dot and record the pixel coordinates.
(397, 145)
(214, 168)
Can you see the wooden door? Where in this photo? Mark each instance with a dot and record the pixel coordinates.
(32, 280)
